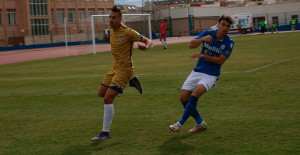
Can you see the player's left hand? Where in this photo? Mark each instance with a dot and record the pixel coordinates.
(142, 47)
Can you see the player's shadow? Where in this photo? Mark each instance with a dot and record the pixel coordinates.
(174, 145)
(88, 149)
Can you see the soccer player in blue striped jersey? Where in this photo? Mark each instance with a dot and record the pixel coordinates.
(216, 49)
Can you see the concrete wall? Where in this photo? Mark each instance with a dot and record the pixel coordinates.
(205, 17)
(283, 11)
(174, 13)
(204, 23)
(195, 11)
(205, 11)
(180, 27)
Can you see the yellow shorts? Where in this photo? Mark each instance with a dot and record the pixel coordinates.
(117, 79)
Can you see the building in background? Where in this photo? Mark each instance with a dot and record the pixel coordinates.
(199, 15)
(27, 22)
(221, 3)
(130, 9)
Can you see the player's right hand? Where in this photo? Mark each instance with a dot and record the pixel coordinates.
(198, 55)
(207, 38)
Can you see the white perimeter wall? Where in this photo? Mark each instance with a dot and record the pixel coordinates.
(282, 11)
(195, 11)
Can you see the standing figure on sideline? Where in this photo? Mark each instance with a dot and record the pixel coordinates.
(262, 26)
(163, 27)
(217, 47)
(239, 25)
(274, 28)
(293, 24)
(266, 25)
(114, 82)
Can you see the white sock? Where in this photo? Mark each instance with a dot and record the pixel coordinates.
(166, 44)
(108, 116)
(163, 42)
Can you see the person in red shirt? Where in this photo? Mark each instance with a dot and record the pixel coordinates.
(163, 34)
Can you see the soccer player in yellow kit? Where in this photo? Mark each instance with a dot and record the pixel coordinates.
(121, 40)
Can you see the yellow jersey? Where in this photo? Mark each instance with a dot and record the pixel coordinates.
(121, 42)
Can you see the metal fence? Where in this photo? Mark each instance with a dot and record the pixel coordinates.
(74, 32)
(82, 32)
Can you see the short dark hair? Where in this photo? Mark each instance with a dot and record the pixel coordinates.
(226, 18)
(117, 9)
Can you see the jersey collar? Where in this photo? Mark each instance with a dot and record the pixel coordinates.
(215, 36)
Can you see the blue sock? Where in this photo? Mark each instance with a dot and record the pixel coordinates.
(195, 114)
(184, 104)
(189, 108)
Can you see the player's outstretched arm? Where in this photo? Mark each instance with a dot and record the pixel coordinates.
(217, 60)
(196, 42)
(147, 44)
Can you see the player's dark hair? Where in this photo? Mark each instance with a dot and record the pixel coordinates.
(226, 18)
(117, 10)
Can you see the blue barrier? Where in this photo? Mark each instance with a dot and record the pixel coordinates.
(279, 28)
(49, 45)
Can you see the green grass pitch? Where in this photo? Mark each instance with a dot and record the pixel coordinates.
(51, 106)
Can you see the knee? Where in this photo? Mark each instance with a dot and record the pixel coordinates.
(183, 98)
(108, 99)
(102, 91)
(101, 94)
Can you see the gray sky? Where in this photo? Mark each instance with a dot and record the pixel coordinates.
(130, 2)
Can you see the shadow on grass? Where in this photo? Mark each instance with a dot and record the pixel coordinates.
(89, 149)
(174, 145)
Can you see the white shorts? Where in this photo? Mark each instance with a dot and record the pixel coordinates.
(196, 78)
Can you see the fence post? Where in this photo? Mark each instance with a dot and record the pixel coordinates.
(14, 34)
(66, 37)
(33, 39)
(70, 40)
(51, 37)
(88, 36)
(285, 17)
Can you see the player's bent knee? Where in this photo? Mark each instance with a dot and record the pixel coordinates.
(102, 90)
(184, 98)
(108, 100)
(101, 94)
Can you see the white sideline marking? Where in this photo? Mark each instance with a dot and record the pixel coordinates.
(88, 76)
(265, 66)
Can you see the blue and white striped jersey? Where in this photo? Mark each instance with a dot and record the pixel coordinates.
(215, 48)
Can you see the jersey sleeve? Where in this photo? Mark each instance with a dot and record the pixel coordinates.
(202, 34)
(227, 51)
(134, 36)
